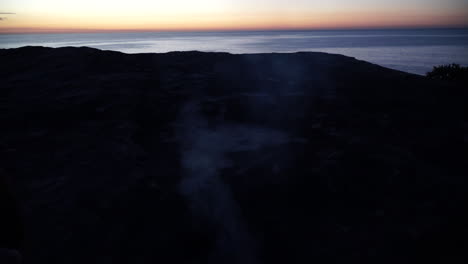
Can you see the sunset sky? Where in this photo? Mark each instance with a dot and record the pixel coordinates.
(92, 15)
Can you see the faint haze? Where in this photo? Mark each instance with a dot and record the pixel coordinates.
(89, 15)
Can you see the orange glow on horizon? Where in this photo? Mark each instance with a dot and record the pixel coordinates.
(227, 21)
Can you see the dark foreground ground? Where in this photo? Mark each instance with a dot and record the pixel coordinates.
(215, 158)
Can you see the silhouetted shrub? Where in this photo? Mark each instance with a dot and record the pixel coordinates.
(451, 72)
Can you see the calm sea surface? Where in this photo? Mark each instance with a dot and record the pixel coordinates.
(415, 51)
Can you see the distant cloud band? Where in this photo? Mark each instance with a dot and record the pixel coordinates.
(5, 13)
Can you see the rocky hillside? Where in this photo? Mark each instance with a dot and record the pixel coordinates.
(191, 157)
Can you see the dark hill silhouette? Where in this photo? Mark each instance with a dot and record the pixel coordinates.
(191, 157)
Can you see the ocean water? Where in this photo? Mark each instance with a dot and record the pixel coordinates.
(416, 50)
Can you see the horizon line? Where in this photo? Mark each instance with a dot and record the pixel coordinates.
(85, 30)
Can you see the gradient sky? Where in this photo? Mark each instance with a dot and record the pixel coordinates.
(92, 15)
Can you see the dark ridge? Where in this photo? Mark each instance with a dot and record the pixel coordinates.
(193, 157)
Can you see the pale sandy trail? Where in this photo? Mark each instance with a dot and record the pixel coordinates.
(204, 153)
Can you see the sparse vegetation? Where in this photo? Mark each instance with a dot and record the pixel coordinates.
(451, 72)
